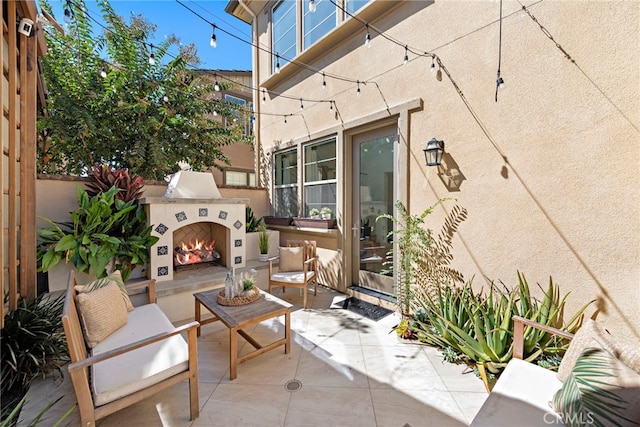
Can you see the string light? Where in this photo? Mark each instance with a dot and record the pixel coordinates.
(165, 98)
(216, 85)
(67, 14)
(330, 105)
(301, 104)
(152, 57)
(312, 6)
(406, 55)
(213, 42)
(285, 120)
(324, 81)
(358, 89)
(433, 64)
(367, 38)
(499, 80)
(103, 72)
(264, 96)
(277, 63)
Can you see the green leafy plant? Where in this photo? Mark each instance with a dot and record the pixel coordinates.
(248, 284)
(479, 326)
(103, 230)
(263, 240)
(423, 260)
(590, 396)
(104, 176)
(252, 223)
(32, 344)
(314, 212)
(11, 419)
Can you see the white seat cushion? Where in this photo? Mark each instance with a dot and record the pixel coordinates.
(292, 276)
(521, 398)
(143, 367)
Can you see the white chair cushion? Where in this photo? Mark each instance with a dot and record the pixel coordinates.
(292, 276)
(143, 367)
(521, 398)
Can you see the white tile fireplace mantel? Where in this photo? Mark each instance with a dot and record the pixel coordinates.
(167, 215)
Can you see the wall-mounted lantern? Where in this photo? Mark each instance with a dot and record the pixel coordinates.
(433, 152)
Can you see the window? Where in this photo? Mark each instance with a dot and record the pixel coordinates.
(284, 30)
(285, 189)
(240, 117)
(354, 5)
(320, 176)
(240, 178)
(318, 23)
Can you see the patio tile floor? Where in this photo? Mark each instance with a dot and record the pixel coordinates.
(353, 372)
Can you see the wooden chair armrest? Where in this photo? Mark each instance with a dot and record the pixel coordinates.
(518, 333)
(150, 284)
(92, 360)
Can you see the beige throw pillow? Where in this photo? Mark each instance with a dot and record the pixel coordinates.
(291, 259)
(102, 312)
(113, 277)
(592, 334)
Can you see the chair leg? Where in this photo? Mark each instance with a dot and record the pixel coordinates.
(304, 298)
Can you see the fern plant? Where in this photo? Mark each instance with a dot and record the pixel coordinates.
(423, 260)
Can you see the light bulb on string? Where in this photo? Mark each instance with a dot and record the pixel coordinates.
(165, 98)
(406, 55)
(67, 15)
(277, 63)
(264, 97)
(215, 113)
(499, 81)
(433, 65)
(285, 120)
(213, 42)
(301, 104)
(152, 57)
(358, 89)
(330, 105)
(324, 81)
(367, 38)
(312, 6)
(103, 72)
(216, 85)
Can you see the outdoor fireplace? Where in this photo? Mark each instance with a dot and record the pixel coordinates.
(195, 227)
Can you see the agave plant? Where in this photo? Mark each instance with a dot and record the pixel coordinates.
(252, 223)
(480, 327)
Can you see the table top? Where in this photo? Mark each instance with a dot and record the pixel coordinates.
(265, 307)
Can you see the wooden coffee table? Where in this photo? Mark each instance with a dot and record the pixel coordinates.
(237, 318)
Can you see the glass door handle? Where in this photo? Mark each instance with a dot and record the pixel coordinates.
(355, 229)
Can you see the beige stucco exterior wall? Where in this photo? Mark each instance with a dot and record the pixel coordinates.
(552, 176)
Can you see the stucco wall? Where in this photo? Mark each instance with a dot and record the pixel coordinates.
(552, 183)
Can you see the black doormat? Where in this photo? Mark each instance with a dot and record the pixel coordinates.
(363, 308)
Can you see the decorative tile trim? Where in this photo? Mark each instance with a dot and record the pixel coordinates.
(223, 215)
(161, 229)
(181, 216)
(203, 212)
(238, 243)
(238, 260)
(163, 271)
(238, 224)
(163, 250)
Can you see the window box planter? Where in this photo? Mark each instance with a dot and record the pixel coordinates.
(314, 223)
(278, 220)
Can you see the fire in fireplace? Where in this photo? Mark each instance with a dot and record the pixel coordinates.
(197, 252)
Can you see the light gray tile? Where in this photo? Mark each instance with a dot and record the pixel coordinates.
(330, 406)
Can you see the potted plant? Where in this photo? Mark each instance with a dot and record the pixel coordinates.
(263, 243)
(108, 231)
(314, 213)
(325, 213)
(248, 283)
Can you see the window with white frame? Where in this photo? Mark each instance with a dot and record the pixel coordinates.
(318, 23)
(285, 188)
(240, 178)
(352, 6)
(284, 30)
(287, 27)
(241, 116)
(320, 177)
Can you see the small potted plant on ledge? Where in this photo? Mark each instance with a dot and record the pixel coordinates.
(314, 213)
(263, 243)
(325, 213)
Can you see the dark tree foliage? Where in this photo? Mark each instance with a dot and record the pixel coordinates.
(107, 103)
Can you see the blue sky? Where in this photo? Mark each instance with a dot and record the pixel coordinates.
(172, 18)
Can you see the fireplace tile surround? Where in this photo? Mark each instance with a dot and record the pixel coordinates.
(170, 214)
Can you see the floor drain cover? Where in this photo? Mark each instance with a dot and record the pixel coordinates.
(293, 385)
